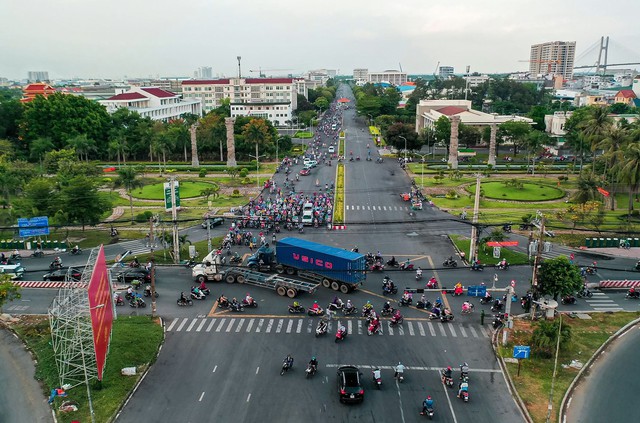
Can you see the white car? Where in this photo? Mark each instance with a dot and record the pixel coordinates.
(332, 150)
(15, 271)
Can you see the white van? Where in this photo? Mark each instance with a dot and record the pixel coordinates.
(307, 214)
(15, 271)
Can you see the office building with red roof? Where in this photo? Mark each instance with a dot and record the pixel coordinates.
(153, 102)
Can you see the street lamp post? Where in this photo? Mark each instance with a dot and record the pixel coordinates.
(257, 157)
(423, 157)
(405, 148)
(370, 119)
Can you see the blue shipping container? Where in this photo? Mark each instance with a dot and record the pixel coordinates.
(334, 263)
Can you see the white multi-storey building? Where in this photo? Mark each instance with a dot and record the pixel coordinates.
(153, 102)
(274, 99)
(553, 58)
(393, 77)
(361, 75)
(445, 71)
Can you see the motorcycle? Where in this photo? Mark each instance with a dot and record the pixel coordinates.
(432, 284)
(377, 380)
(497, 321)
(464, 396)
(405, 266)
(389, 291)
(447, 381)
(198, 296)
(36, 253)
(321, 329)
(387, 312)
(396, 321)
(285, 367)
(477, 267)
(418, 276)
(374, 328)
(340, 335)
(486, 299)
(468, 309)
(424, 305)
(311, 370)
(568, 299)
(315, 312)
(147, 291)
(296, 309)
(75, 251)
(585, 293)
(405, 302)
(118, 300)
(444, 317)
(185, 302)
(506, 228)
(349, 310)
(137, 302)
(393, 263)
(377, 267)
(428, 413)
(634, 295)
(237, 307)
(497, 306)
(502, 266)
(55, 265)
(250, 303)
(333, 307)
(450, 262)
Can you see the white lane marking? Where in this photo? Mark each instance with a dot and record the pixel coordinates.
(193, 322)
(231, 322)
(410, 328)
(269, 326)
(201, 396)
(446, 393)
(400, 330)
(359, 327)
(199, 328)
(215, 368)
(299, 328)
(431, 331)
(484, 332)
(421, 328)
(310, 326)
(441, 327)
(250, 325)
(453, 332)
(379, 208)
(248, 397)
(400, 401)
(289, 325)
(390, 330)
(258, 369)
(464, 333)
(349, 327)
(172, 324)
(240, 323)
(420, 368)
(184, 321)
(279, 326)
(211, 325)
(260, 323)
(347, 207)
(222, 322)
(473, 332)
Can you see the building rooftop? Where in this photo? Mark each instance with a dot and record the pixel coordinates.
(158, 92)
(626, 94)
(451, 110)
(127, 96)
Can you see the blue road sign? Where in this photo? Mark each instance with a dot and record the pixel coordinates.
(521, 351)
(477, 291)
(33, 226)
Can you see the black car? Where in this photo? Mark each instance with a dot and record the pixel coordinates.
(60, 275)
(138, 273)
(349, 385)
(213, 222)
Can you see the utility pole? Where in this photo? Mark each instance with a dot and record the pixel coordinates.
(174, 217)
(474, 227)
(507, 311)
(208, 234)
(152, 270)
(536, 263)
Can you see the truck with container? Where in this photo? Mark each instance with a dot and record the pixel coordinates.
(335, 268)
(212, 270)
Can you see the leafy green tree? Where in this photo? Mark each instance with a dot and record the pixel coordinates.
(628, 170)
(212, 133)
(621, 109)
(587, 189)
(257, 133)
(11, 112)
(162, 142)
(321, 103)
(8, 290)
(82, 202)
(398, 130)
(544, 338)
(442, 130)
(558, 277)
(83, 146)
(211, 191)
(304, 104)
(514, 131)
(369, 105)
(53, 158)
(37, 199)
(129, 180)
(39, 147)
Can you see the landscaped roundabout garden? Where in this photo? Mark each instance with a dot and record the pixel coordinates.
(155, 191)
(515, 190)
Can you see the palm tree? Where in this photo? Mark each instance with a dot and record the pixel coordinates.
(594, 128)
(587, 189)
(128, 178)
(613, 143)
(118, 147)
(629, 170)
(210, 192)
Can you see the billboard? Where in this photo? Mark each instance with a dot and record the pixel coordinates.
(167, 195)
(34, 226)
(101, 309)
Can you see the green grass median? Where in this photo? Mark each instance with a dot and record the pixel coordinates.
(134, 343)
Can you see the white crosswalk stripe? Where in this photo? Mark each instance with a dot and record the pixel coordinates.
(284, 326)
(602, 302)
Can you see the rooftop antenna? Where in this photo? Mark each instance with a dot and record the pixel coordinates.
(239, 72)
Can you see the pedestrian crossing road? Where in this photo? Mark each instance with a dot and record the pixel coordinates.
(308, 326)
(377, 208)
(602, 302)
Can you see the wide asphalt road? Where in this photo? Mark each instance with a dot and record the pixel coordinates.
(608, 392)
(20, 394)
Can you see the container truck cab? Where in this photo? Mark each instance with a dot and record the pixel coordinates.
(209, 269)
(263, 260)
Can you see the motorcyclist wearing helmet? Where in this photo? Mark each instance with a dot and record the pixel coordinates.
(464, 370)
(248, 299)
(419, 272)
(313, 363)
(399, 370)
(426, 404)
(288, 360)
(463, 387)
(315, 306)
(387, 306)
(349, 306)
(448, 372)
(183, 299)
(296, 304)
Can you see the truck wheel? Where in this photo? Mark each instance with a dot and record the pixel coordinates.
(291, 293)
(345, 288)
(281, 290)
(240, 278)
(335, 286)
(201, 279)
(290, 270)
(280, 269)
(254, 267)
(326, 283)
(230, 278)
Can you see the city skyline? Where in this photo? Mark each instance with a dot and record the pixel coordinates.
(104, 40)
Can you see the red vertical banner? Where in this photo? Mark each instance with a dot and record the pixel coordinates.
(101, 309)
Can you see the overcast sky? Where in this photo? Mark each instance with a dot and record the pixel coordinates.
(142, 38)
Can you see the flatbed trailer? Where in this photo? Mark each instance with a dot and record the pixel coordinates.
(283, 286)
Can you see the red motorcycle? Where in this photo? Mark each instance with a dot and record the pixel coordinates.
(432, 284)
(374, 327)
(341, 334)
(377, 267)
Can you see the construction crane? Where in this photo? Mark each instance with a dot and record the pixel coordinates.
(435, 71)
(261, 71)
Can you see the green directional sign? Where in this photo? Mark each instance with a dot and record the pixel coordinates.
(167, 195)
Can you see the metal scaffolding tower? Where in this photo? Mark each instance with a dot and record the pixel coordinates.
(71, 330)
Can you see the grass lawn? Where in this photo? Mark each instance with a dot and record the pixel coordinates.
(188, 189)
(534, 382)
(303, 134)
(485, 254)
(529, 191)
(122, 353)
